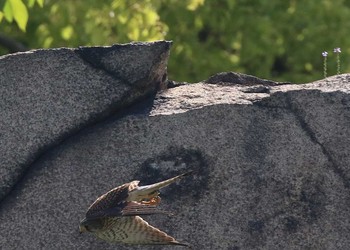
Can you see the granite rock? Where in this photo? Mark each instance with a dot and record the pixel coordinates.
(48, 95)
(271, 169)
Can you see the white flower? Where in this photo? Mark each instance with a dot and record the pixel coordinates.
(336, 50)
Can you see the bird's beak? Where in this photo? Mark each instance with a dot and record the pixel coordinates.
(82, 226)
(82, 229)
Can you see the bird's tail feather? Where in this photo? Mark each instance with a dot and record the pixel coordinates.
(144, 192)
(156, 186)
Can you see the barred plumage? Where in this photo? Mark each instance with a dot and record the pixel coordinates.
(113, 217)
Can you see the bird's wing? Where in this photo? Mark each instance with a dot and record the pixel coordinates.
(136, 208)
(111, 202)
(134, 230)
(130, 199)
(127, 209)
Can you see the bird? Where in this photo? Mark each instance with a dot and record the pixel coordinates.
(115, 216)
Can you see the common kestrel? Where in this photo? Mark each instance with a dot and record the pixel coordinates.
(114, 216)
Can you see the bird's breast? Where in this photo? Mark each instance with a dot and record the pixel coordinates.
(113, 230)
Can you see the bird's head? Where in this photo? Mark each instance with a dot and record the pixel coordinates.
(88, 225)
(83, 229)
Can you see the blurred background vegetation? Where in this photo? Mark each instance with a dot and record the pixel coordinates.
(274, 39)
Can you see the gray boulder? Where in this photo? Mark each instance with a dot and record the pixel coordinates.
(48, 95)
(271, 161)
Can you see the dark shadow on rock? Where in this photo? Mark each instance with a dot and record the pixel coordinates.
(174, 161)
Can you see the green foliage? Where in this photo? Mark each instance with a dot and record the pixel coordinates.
(280, 40)
(16, 10)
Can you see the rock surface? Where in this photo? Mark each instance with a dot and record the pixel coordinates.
(48, 95)
(271, 160)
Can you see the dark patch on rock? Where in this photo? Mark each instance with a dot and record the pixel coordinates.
(173, 84)
(276, 100)
(254, 179)
(233, 248)
(291, 224)
(254, 146)
(305, 200)
(346, 101)
(257, 89)
(256, 226)
(232, 78)
(173, 162)
(312, 200)
(102, 58)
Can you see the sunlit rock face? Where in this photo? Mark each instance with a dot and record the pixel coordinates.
(271, 160)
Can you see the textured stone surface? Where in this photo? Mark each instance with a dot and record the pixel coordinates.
(47, 95)
(272, 169)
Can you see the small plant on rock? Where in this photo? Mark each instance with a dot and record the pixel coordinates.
(325, 54)
(337, 51)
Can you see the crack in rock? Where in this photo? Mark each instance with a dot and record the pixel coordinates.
(54, 93)
(308, 131)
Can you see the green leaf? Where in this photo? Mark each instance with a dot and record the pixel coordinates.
(194, 4)
(8, 12)
(47, 42)
(40, 2)
(31, 3)
(67, 32)
(1, 16)
(20, 13)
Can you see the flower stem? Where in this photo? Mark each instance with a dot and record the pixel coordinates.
(338, 64)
